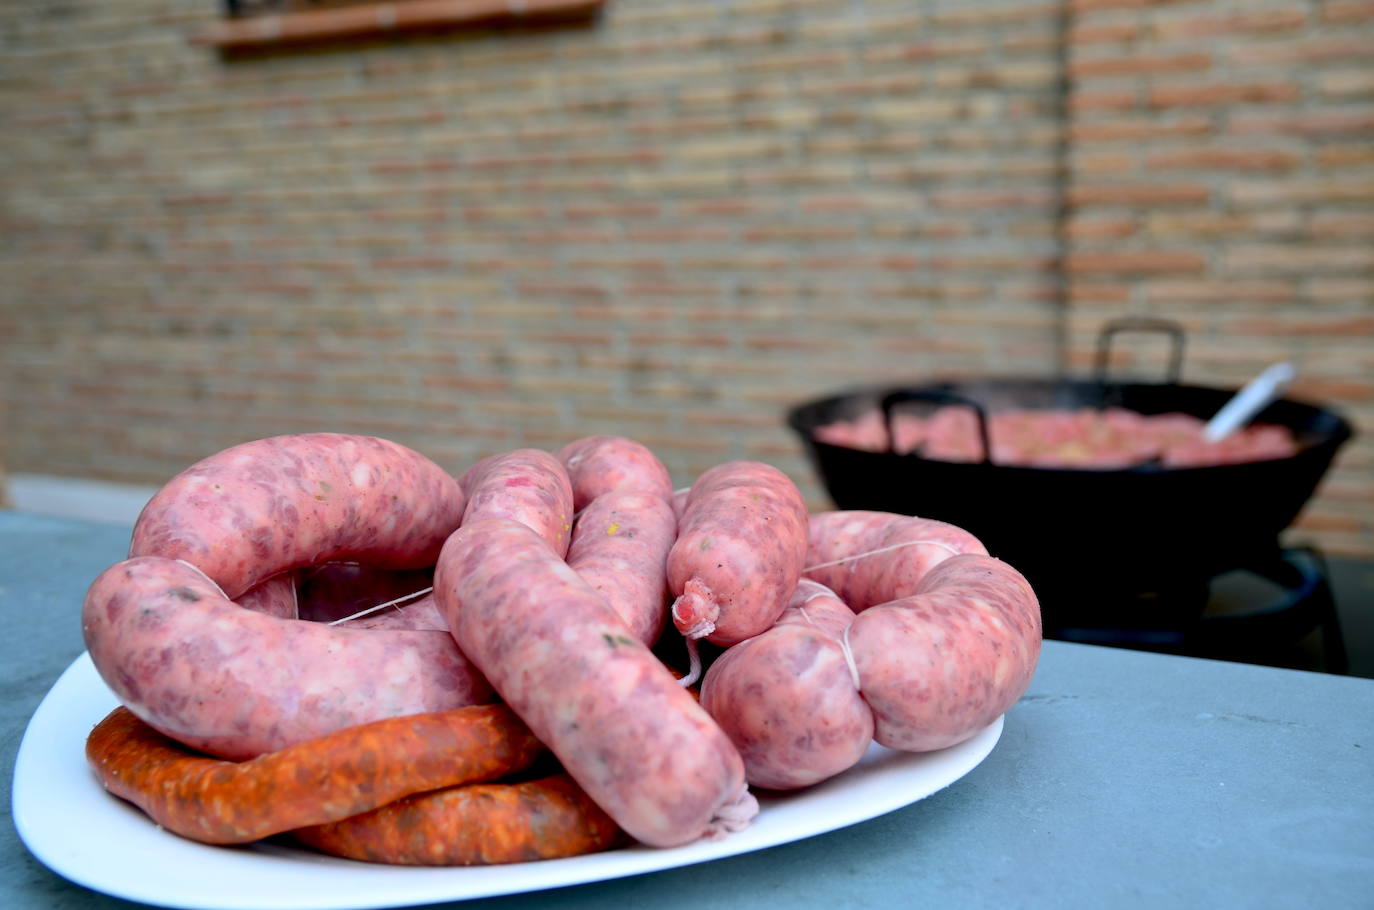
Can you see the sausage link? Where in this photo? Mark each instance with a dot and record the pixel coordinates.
(615, 717)
(948, 641)
(323, 780)
(600, 464)
(477, 824)
(940, 665)
(787, 698)
(263, 507)
(740, 550)
(620, 548)
(527, 485)
(869, 558)
(236, 684)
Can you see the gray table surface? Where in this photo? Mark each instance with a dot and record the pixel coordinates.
(1122, 779)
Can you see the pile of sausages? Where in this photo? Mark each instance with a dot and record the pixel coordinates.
(519, 709)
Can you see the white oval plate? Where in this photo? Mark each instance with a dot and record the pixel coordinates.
(79, 831)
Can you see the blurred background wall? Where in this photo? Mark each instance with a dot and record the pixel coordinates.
(669, 223)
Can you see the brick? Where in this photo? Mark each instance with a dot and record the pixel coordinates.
(1306, 259)
(1091, 162)
(1333, 155)
(1341, 290)
(1304, 51)
(1224, 224)
(1223, 158)
(1085, 32)
(1334, 326)
(1083, 292)
(1352, 121)
(1345, 12)
(1341, 225)
(1221, 24)
(1129, 129)
(946, 47)
(1134, 262)
(1351, 83)
(1218, 291)
(1215, 94)
(1090, 229)
(1139, 194)
(1085, 101)
(1139, 65)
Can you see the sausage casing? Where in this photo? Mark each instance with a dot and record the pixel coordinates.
(263, 507)
(621, 725)
(234, 683)
(740, 550)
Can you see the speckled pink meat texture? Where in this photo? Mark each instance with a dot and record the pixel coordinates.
(263, 507)
(601, 464)
(787, 699)
(622, 726)
(620, 549)
(868, 558)
(946, 641)
(275, 597)
(740, 550)
(236, 684)
(530, 486)
(940, 665)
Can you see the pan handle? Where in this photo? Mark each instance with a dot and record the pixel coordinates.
(1142, 324)
(936, 396)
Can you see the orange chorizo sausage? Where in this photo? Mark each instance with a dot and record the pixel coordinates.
(471, 825)
(321, 780)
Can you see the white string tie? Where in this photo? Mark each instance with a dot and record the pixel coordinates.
(390, 603)
(896, 546)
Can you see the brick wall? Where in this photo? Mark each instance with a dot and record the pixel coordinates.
(671, 224)
(1222, 174)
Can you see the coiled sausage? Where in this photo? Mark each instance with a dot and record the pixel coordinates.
(234, 683)
(285, 502)
(946, 641)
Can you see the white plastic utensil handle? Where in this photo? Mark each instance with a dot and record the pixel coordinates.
(1249, 401)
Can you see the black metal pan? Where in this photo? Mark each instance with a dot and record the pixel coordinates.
(1085, 537)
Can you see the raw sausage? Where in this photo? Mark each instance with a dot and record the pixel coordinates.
(600, 464)
(946, 641)
(620, 548)
(624, 529)
(941, 664)
(476, 824)
(236, 684)
(323, 780)
(263, 507)
(740, 551)
(527, 485)
(275, 597)
(867, 558)
(787, 698)
(946, 638)
(615, 717)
